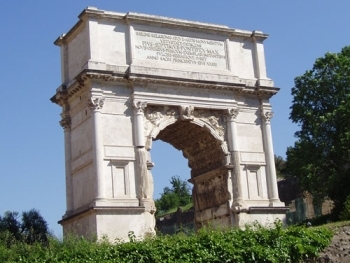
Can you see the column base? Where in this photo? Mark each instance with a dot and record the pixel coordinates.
(264, 215)
(276, 203)
(115, 223)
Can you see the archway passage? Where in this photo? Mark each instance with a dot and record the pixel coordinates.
(206, 159)
(202, 150)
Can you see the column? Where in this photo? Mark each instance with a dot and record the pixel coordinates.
(66, 125)
(143, 163)
(231, 115)
(139, 108)
(269, 155)
(96, 104)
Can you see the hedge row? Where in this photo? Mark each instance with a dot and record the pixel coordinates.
(253, 244)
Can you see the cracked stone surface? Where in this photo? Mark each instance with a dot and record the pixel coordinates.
(339, 249)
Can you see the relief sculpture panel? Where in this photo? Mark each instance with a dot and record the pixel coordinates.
(211, 192)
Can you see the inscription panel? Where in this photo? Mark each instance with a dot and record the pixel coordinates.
(179, 50)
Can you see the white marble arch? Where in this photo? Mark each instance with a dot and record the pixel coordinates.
(128, 79)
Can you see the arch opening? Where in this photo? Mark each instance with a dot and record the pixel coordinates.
(169, 162)
(207, 161)
(203, 151)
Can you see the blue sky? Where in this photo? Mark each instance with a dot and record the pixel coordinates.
(31, 141)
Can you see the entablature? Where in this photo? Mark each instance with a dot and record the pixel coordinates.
(64, 92)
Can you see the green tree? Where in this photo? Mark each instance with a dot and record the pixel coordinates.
(280, 165)
(178, 195)
(32, 227)
(321, 107)
(9, 222)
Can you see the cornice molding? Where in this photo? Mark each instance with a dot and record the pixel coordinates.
(159, 21)
(80, 82)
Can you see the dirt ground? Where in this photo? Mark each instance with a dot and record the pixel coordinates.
(339, 249)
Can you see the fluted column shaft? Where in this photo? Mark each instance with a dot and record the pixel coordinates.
(66, 124)
(233, 148)
(270, 161)
(139, 108)
(96, 105)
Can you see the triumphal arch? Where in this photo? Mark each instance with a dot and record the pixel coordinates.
(129, 79)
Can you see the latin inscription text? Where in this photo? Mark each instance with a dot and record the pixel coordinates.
(180, 50)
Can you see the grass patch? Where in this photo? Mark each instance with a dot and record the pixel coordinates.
(338, 224)
(173, 210)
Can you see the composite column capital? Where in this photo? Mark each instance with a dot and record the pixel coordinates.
(232, 113)
(96, 103)
(139, 106)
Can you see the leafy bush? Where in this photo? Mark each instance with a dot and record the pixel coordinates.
(253, 244)
(345, 214)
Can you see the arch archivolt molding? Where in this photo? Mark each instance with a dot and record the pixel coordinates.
(158, 117)
(200, 133)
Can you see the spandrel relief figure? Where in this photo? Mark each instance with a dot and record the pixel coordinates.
(213, 118)
(214, 121)
(155, 117)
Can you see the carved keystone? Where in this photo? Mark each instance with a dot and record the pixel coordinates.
(186, 113)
